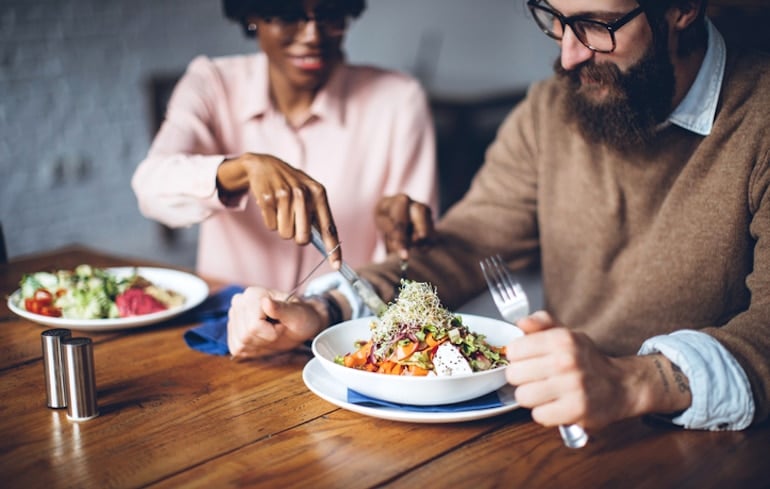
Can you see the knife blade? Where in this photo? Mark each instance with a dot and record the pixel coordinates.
(362, 288)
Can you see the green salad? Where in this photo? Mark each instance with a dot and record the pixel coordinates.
(84, 293)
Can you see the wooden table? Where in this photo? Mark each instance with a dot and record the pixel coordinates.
(174, 417)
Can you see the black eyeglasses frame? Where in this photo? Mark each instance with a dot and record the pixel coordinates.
(333, 23)
(569, 21)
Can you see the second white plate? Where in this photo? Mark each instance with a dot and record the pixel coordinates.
(318, 380)
(190, 286)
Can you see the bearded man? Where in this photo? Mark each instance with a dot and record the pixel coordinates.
(638, 179)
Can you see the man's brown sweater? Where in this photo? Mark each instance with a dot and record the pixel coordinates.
(631, 245)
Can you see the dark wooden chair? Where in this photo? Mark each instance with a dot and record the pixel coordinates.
(3, 251)
(464, 129)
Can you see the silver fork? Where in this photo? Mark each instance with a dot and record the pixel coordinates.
(512, 302)
(304, 279)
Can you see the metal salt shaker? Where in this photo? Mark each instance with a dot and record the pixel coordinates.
(55, 387)
(78, 358)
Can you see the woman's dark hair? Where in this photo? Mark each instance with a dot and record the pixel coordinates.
(690, 38)
(240, 10)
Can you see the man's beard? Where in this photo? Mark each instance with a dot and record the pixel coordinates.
(636, 102)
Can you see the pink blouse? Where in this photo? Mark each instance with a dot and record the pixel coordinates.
(370, 134)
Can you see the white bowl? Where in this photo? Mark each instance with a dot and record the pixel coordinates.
(421, 391)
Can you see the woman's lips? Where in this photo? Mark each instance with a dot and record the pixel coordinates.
(307, 62)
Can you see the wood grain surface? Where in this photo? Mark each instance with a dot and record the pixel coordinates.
(174, 417)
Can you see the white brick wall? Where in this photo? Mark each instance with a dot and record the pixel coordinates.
(75, 115)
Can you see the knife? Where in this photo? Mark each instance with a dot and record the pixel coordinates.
(362, 288)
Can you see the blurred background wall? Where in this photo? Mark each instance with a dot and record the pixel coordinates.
(78, 77)
(83, 82)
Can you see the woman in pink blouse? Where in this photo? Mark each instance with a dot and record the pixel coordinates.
(257, 147)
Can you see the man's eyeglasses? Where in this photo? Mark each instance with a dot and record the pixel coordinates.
(594, 34)
(332, 23)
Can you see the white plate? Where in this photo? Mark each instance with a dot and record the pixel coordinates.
(322, 384)
(191, 287)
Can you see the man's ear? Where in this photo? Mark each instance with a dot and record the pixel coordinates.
(683, 14)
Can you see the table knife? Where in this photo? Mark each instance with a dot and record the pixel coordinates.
(362, 288)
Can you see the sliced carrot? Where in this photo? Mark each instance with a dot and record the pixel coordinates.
(386, 367)
(417, 371)
(359, 357)
(349, 361)
(431, 341)
(405, 350)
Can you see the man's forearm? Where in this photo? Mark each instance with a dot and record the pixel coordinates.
(655, 385)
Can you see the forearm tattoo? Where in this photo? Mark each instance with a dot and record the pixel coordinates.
(662, 373)
(679, 378)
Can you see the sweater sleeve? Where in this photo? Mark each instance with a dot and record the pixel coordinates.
(747, 335)
(498, 214)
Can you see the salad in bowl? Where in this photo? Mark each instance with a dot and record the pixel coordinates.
(417, 336)
(417, 352)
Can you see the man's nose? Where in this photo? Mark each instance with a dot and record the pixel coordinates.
(573, 52)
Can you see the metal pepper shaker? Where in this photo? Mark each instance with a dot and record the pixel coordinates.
(55, 386)
(78, 360)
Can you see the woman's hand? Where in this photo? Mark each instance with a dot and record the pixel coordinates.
(563, 377)
(259, 325)
(404, 223)
(290, 200)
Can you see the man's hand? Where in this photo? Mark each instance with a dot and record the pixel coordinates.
(404, 223)
(259, 325)
(290, 200)
(564, 378)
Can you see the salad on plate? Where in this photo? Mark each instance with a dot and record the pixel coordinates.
(93, 293)
(417, 336)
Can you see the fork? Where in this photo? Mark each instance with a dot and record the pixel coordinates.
(304, 279)
(512, 302)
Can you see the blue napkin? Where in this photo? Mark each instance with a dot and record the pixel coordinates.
(488, 401)
(211, 336)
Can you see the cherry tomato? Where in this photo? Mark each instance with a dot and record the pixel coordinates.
(43, 296)
(50, 311)
(41, 302)
(32, 305)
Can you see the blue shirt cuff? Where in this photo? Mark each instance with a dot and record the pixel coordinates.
(721, 392)
(335, 281)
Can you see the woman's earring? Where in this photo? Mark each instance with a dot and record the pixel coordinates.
(252, 27)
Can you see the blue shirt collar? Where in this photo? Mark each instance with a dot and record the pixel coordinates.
(697, 109)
